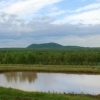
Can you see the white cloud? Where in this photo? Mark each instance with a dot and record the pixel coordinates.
(24, 7)
(89, 17)
(57, 13)
(86, 15)
(89, 7)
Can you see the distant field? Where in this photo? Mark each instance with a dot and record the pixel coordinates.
(70, 56)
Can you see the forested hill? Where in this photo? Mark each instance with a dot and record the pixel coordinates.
(49, 46)
(45, 45)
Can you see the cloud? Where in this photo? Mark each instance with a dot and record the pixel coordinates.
(86, 15)
(22, 22)
(24, 8)
(21, 34)
(57, 13)
(86, 41)
(93, 6)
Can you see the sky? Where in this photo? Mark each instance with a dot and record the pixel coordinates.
(67, 22)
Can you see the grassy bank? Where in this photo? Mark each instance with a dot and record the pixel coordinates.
(13, 94)
(52, 68)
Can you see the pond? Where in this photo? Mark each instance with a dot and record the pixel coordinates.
(52, 82)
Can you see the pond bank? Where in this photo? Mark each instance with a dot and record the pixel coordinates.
(13, 94)
(52, 68)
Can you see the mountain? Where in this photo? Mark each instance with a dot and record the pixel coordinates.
(49, 46)
(45, 46)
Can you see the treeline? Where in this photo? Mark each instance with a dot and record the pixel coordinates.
(50, 58)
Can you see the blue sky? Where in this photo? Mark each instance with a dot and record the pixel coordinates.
(67, 22)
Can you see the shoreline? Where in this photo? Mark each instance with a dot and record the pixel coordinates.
(70, 69)
(5, 94)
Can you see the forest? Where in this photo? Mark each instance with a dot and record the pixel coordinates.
(50, 57)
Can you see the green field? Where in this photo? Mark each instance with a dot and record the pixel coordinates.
(53, 57)
(13, 94)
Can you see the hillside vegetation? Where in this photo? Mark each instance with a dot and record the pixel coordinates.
(45, 46)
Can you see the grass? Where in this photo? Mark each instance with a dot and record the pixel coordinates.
(13, 94)
(52, 68)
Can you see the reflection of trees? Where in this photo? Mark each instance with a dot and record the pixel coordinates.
(21, 76)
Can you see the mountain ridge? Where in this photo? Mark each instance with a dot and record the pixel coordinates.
(50, 45)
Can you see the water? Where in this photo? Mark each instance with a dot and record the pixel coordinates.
(52, 82)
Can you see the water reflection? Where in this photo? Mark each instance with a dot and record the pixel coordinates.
(57, 82)
(22, 76)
